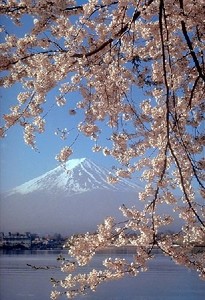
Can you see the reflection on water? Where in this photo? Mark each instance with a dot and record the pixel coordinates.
(163, 281)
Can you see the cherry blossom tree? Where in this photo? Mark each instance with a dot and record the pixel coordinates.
(139, 67)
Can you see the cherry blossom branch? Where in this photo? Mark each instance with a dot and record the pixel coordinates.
(18, 117)
(139, 69)
(136, 15)
(184, 189)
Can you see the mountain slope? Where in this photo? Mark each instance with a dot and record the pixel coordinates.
(68, 200)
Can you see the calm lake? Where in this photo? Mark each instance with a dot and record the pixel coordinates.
(163, 281)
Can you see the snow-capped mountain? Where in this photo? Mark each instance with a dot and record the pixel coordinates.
(66, 200)
(78, 176)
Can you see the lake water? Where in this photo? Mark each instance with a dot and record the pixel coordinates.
(163, 281)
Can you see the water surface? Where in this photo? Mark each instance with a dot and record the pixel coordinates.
(163, 281)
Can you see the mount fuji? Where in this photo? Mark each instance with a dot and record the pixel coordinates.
(67, 200)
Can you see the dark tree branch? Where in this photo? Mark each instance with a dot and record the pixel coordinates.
(189, 44)
(192, 91)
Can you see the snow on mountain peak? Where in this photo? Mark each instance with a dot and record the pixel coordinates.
(72, 163)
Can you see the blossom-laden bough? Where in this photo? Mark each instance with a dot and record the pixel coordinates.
(139, 67)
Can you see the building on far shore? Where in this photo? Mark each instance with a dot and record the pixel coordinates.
(31, 241)
(15, 240)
